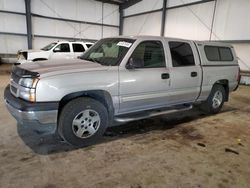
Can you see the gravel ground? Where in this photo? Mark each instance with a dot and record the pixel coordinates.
(185, 150)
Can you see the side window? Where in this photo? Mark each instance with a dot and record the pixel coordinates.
(182, 54)
(150, 54)
(212, 53)
(78, 47)
(215, 53)
(64, 47)
(89, 45)
(225, 54)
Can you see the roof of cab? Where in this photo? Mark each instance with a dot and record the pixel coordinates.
(205, 42)
(88, 42)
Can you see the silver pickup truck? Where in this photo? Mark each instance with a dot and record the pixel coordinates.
(120, 80)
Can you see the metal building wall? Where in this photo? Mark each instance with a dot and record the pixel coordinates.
(223, 20)
(55, 20)
(12, 24)
(143, 25)
(191, 22)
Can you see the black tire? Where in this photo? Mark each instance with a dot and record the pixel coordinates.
(209, 106)
(75, 109)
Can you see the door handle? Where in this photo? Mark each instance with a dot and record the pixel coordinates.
(194, 74)
(165, 76)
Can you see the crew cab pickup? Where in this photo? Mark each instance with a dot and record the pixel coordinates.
(122, 79)
(54, 50)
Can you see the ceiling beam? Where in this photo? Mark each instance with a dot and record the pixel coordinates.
(110, 2)
(129, 3)
(123, 3)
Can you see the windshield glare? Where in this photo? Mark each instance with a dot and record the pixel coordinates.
(49, 46)
(108, 52)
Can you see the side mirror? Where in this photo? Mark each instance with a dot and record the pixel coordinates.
(135, 63)
(56, 49)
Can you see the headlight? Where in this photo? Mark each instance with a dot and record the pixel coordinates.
(28, 92)
(28, 95)
(28, 82)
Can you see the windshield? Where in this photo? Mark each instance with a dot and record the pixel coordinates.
(109, 51)
(49, 46)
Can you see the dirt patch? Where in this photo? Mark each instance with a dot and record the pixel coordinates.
(5, 68)
(190, 133)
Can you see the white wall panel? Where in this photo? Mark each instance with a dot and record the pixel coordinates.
(242, 51)
(171, 3)
(143, 6)
(12, 5)
(85, 10)
(192, 22)
(110, 32)
(149, 24)
(48, 27)
(12, 23)
(11, 44)
(43, 26)
(90, 31)
(39, 42)
(110, 14)
(58, 28)
(232, 20)
(82, 10)
(89, 10)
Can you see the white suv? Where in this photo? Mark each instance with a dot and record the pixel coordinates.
(55, 50)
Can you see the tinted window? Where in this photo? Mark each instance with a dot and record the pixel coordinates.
(64, 47)
(212, 53)
(78, 47)
(225, 54)
(150, 53)
(215, 53)
(182, 54)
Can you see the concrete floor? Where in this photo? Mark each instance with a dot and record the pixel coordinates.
(185, 150)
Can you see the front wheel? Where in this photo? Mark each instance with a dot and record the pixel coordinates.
(83, 121)
(215, 100)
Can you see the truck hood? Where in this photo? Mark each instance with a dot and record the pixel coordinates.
(56, 67)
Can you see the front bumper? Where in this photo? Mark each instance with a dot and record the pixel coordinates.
(24, 111)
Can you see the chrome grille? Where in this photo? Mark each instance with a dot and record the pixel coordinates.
(13, 90)
(15, 78)
(14, 84)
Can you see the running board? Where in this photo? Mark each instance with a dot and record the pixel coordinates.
(149, 114)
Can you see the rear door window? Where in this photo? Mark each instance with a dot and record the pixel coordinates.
(215, 53)
(182, 54)
(78, 47)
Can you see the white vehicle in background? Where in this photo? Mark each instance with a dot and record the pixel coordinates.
(54, 50)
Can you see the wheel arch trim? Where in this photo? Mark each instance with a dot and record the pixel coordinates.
(225, 84)
(100, 95)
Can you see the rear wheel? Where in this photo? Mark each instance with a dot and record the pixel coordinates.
(83, 121)
(215, 101)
